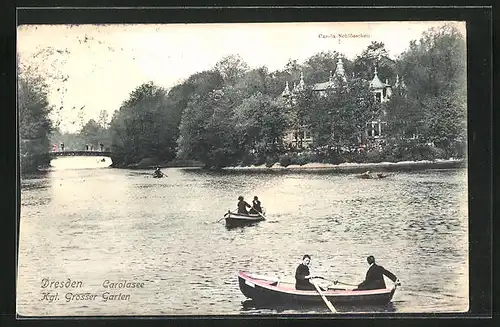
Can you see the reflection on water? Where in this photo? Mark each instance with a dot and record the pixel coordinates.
(101, 223)
(80, 162)
(252, 307)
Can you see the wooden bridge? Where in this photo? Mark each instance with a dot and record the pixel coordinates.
(80, 153)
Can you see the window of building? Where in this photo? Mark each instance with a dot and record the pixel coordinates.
(378, 97)
(374, 129)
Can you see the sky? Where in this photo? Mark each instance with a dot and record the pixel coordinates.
(90, 68)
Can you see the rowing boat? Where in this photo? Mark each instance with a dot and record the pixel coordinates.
(272, 290)
(370, 176)
(239, 219)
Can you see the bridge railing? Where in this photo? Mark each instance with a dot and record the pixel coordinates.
(80, 153)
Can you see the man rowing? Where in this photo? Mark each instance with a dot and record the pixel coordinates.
(158, 173)
(303, 276)
(375, 276)
(243, 205)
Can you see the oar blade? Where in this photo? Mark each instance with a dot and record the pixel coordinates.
(327, 302)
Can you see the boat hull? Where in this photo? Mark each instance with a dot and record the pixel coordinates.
(268, 291)
(235, 219)
(363, 176)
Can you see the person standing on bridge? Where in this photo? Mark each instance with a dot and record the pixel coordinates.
(102, 146)
(86, 147)
(62, 146)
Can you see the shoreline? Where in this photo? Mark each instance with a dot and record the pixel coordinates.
(360, 167)
(323, 167)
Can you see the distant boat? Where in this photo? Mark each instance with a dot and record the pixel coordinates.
(158, 174)
(367, 175)
(272, 290)
(240, 219)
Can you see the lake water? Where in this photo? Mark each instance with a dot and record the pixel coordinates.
(90, 224)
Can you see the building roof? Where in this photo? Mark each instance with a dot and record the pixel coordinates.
(323, 86)
(332, 82)
(376, 83)
(301, 86)
(286, 92)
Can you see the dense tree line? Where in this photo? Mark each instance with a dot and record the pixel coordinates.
(232, 114)
(433, 106)
(35, 125)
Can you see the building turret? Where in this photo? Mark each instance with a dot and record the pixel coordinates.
(340, 72)
(396, 84)
(301, 86)
(286, 92)
(376, 83)
(380, 90)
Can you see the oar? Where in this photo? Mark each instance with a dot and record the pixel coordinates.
(328, 303)
(336, 281)
(223, 217)
(259, 213)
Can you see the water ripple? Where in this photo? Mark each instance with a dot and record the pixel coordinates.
(98, 224)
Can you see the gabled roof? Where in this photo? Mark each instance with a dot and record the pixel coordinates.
(323, 86)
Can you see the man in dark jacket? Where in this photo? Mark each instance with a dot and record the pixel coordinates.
(243, 205)
(303, 276)
(375, 276)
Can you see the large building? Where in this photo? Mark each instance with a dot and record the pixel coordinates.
(381, 91)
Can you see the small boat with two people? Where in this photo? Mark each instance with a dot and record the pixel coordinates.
(265, 289)
(368, 175)
(243, 217)
(307, 291)
(158, 173)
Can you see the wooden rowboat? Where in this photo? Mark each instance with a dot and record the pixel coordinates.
(370, 176)
(240, 219)
(272, 290)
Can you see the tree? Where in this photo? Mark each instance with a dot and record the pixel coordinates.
(231, 68)
(356, 106)
(404, 118)
(253, 81)
(375, 55)
(435, 76)
(207, 130)
(103, 119)
(261, 122)
(92, 133)
(35, 125)
(318, 67)
(143, 127)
